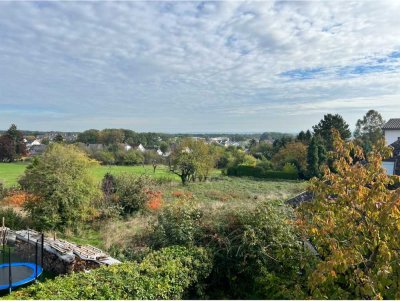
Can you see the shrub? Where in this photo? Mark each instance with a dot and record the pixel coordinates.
(2, 190)
(155, 200)
(13, 219)
(131, 192)
(258, 254)
(16, 198)
(259, 172)
(177, 224)
(62, 186)
(170, 273)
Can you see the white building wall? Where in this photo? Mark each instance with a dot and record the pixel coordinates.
(389, 167)
(392, 136)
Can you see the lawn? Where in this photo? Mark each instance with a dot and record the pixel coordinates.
(10, 172)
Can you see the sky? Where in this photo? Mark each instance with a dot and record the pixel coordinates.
(182, 66)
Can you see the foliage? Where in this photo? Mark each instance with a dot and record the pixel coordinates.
(15, 198)
(192, 159)
(354, 223)
(369, 130)
(164, 147)
(170, 273)
(316, 157)
(7, 149)
(117, 136)
(293, 152)
(258, 254)
(263, 150)
(62, 187)
(89, 136)
(12, 145)
(153, 158)
(325, 126)
(13, 219)
(131, 192)
(304, 137)
(260, 172)
(177, 224)
(155, 200)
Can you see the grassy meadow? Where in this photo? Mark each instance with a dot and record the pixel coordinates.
(11, 172)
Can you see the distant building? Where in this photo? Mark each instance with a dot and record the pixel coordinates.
(127, 147)
(141, 148)
(392, 137)
(37, 149)
(94, 146)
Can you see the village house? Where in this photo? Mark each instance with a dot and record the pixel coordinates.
(391, 130)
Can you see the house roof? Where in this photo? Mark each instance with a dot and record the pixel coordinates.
(392, 124)
(396, 148)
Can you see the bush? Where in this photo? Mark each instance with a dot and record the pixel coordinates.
(13, 219)
(257, 254)
(62, 188)
(177, 224)
(131, 192)
(259, 172)
(2, 190)
(170, 273)
(282, 175)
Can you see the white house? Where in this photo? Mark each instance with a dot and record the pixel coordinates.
(392, 137)
(392, 130)
(141, 148)
(127, 147)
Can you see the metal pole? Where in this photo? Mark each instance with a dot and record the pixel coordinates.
(4, 253)
(28, 236)
(9, 270)
(36, 259)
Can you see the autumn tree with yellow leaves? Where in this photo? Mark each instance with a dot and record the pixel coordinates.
(354, 223)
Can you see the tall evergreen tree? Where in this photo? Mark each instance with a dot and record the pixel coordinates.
(316, 157)
(327, 124)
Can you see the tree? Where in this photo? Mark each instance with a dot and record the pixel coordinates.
(7, 149)
(164, 147)
(325, 126)
(18, 139)
(89, 137)
(60, 187)
(58, 138)
(353, 221)
(369, 130)
(252, 143)
(293, 152)
(153, 158)
(316, 157)
(304, 137)
(112, 136)
(192, 160)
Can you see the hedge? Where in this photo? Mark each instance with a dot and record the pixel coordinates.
(165, 274)
(258, 172)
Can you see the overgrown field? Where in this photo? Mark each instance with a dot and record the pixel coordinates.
(219, 196)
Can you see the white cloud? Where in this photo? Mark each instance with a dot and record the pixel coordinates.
(195, 65)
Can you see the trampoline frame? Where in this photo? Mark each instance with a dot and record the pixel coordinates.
(36, 272)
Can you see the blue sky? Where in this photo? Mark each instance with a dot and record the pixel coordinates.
(196, 66)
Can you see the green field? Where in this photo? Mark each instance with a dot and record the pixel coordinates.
(10, 172)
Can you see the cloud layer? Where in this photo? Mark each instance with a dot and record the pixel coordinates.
(196, 66)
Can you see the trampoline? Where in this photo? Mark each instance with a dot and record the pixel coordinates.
(21, 273)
